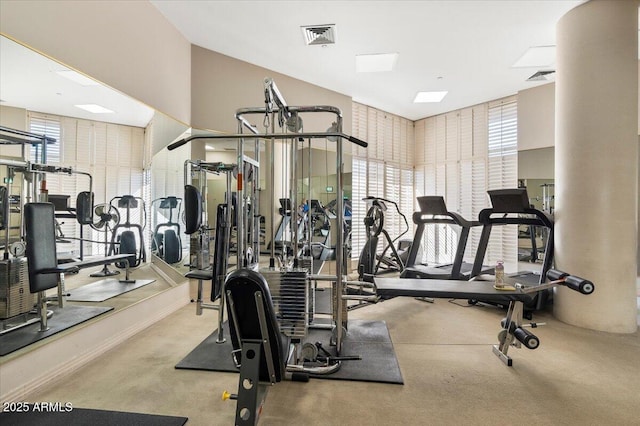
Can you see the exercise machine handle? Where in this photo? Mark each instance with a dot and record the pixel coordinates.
(579, 284)
(177, 144)
(358, 141)
(573, 282)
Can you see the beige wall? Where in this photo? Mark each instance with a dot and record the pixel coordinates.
(536, 117)
(15, 118)
(220, 85)
(536, 164)
(127, 45)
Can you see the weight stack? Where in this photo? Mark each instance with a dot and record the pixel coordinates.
(15, 297)
(306, 263)
(290, 295)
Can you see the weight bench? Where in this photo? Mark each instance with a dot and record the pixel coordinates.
(513, 332)
(42, 260)
(260, 350)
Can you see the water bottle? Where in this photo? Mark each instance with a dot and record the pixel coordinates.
(499, 274)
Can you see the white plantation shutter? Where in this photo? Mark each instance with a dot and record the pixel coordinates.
(101, 142)
(85, 141)
(441, 139)
(359, 191)
(503, 163)
(430, 141)
(392, 192)
(464, 154)
(111, 153)
(419, 145)
(406, 199)
(385, 170)
(452, 136)
(372, 133)
(50, 127)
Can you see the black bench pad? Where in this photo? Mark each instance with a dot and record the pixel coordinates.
(200, 274)
(447, 289)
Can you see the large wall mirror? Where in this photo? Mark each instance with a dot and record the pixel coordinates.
(117, 141)
(536, 173)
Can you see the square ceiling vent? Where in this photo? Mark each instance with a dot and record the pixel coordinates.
(319, 34)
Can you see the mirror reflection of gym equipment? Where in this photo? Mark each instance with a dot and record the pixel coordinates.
(32, 237)
(165, 240)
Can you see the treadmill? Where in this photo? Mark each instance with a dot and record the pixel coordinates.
(433, 211)
(511, 207)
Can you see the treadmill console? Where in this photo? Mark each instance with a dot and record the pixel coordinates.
(509, 200)
(433, 205)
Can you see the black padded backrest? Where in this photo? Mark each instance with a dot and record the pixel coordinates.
(243, 284)
(84, 208)
(39, 225)
(4, 201)
(192, 209)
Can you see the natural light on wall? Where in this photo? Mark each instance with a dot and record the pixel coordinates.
(537, 56)
(378, 62)
(77, 78)
(94, 108)
(424, 97)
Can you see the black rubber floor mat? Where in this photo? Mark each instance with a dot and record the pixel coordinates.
(61, 319)
(63, 415)
(367, 339)
(102, 290)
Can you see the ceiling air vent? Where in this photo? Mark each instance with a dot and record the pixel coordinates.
(540, 76)
(319, 34)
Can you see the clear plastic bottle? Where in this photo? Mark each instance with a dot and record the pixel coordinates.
(499, 274)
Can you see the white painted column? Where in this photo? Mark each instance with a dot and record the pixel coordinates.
(596, 163)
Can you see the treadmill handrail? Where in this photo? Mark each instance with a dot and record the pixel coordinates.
(541, 218)
(453, 218)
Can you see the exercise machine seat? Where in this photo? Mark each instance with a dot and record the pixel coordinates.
(241, 287)
(39, 223)
(192, 209)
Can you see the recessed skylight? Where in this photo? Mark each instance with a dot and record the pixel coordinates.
(76, 77)
(96, 109)
(537, 56)
(378, 62)
(424, 97)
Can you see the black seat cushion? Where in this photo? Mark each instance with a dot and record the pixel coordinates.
(243, 284)
(39, 224)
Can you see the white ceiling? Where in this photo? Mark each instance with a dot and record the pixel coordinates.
(465, 47)
(29, 80)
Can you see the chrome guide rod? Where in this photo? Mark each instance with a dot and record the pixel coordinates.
(339, 241)
(256, 203)
(294, 201)
(272, 202)
(240, 205)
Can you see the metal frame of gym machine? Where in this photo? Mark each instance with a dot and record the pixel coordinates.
(277, 106)
(202, 269)
(33, 188)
